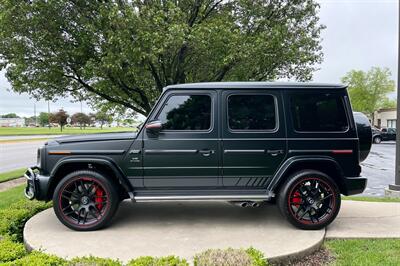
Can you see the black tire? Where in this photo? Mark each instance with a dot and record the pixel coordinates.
(88, 194)
(308, 207)
(377, 140)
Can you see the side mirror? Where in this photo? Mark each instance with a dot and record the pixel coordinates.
(153, 127)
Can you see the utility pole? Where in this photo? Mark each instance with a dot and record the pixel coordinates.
(394, 189)
(48, 114)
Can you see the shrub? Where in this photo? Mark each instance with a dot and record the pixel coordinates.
(93, 261)
(230, 257)
(10, 250)
(13, 218)
(38, 259)
(153, 261)
(257, 257)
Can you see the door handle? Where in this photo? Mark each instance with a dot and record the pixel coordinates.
(206, 153)
(274, 152)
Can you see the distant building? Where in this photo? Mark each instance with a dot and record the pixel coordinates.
(12, 122)
(385, 118)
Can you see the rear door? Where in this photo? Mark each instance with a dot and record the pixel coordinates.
(253, 132)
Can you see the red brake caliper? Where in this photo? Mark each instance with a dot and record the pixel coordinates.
(296, 199)
(99, 198)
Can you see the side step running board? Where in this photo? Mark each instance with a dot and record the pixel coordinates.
(148, 198)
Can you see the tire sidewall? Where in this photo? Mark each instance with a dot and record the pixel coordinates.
(288, 186)
(377, 140)
(107, 185)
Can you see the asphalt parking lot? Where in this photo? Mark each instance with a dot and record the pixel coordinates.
(379, 168)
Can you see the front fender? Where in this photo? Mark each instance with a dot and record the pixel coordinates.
(94, 160)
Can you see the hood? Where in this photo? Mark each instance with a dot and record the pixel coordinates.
(95, 137)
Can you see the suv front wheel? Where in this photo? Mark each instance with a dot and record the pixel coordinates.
(309, 200)
(85, 200)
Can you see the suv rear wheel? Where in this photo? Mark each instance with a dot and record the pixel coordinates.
(85, 200)
(309, 200)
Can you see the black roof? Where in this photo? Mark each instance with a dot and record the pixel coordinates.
(256, 85)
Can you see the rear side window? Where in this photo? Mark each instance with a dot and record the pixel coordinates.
(318, 112)
(251, 112)
(186, 112)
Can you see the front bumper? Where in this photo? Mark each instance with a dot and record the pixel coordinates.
(36, 184)
(354, 185)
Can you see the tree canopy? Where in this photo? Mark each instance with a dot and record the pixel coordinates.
(59, 117)
(80, 119)
(102, 117)
(10, 115)
(43, 119)
(124, 52)
(368, 90)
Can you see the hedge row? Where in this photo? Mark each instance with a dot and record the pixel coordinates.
(12, 250)
(13, 218)
(14, 254)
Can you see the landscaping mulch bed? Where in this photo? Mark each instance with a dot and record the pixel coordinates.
(320, 257)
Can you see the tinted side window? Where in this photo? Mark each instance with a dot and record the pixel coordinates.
(186, 112)
(251, 112)
(318, 112)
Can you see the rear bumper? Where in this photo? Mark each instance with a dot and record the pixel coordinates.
(36, 184)
(354, 185)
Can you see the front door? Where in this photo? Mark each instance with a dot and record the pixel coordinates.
(185, 153)
(254, 143)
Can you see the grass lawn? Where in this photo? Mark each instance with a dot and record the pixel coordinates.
(365, 251)
(20, 131)
(12, 174)
(11, 195)
(371, 199)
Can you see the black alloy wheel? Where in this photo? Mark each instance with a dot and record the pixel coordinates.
(309, 200)
(85, 200)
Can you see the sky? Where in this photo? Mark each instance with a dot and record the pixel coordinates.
(359, 34)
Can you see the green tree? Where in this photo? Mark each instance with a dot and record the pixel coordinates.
(103, 117)
(10, 115)
(59, 117)
(368, 90)
(43, 119)
(124, 52)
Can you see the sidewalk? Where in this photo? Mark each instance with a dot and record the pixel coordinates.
(12, 183)
(360, 219)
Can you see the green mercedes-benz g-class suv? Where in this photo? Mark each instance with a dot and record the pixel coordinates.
(298, 144)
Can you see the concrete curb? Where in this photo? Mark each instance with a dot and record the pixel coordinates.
(297, 255)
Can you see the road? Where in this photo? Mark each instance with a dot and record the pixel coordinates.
(29, 137)
(378, 167)
(19, 154)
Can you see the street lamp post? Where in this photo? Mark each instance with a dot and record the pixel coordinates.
(394, 189)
